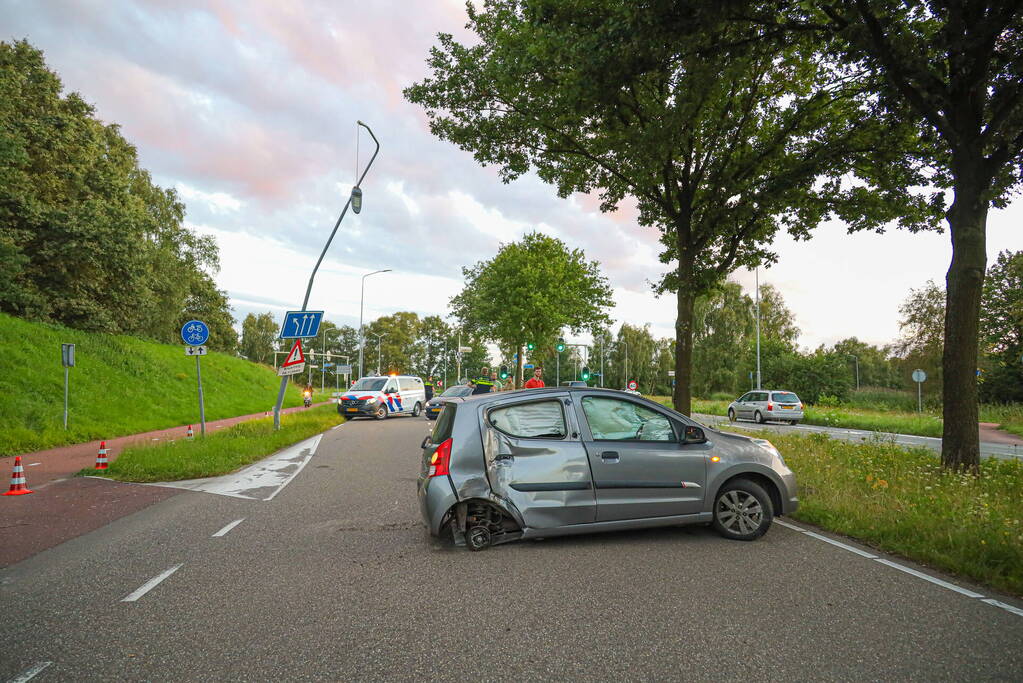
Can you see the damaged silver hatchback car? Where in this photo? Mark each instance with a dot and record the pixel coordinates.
(550, 462)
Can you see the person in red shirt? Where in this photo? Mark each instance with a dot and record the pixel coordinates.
(536, 381)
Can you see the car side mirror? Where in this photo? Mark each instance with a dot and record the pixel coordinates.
(426, 441)
(693, 434)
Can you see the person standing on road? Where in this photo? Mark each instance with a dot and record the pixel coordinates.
(482, 384)
(536, 381)
(428, 386)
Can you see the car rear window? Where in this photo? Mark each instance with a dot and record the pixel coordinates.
(785, 397)
(536, 420)
(445, 421)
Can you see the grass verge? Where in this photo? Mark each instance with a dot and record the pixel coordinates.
(120, 385)
(1010, 417)
(218, 453)
(902, 501)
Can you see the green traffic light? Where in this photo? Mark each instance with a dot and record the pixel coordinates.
(530, 346)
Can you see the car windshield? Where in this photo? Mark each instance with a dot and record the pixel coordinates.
(785, 397)
(370, 384)
(457, 391)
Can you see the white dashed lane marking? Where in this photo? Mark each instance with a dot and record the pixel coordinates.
(223, 532)
(894, 565)
(151, 584)
(30, 673)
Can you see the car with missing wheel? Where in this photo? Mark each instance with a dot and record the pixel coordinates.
(382, 396)
(434, 405)
(765, 405)
(570, 460)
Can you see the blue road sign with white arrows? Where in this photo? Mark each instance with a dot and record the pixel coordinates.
(298, 324)
(195, 333)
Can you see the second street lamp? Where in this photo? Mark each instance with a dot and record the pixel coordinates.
(362, 331)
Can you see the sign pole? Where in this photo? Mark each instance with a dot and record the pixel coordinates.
(202, 408)
(65, 397)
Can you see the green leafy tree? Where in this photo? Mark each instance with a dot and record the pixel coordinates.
(922, 325)
(86, 238)
(529, 292)
(723, 326)
(719, 147)
(1001, 326)
(259, 338)
(955, 71)
(875, 366)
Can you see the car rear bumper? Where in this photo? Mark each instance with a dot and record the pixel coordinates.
(436, 497)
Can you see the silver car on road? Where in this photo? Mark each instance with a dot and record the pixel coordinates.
(568, 460)
(765, 405)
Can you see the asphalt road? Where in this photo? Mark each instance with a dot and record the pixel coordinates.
(336, 579)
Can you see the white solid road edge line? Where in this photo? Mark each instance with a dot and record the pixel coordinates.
(223, 532)
(925, 577)
(151, 584)
(29, 674)
(938, 582)
(843, 546)
(1008, 608)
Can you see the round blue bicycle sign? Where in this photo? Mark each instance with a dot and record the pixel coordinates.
(195, 333)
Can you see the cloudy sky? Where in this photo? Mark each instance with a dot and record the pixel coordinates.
(248, 109)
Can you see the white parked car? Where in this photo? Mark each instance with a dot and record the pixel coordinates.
(382, 396)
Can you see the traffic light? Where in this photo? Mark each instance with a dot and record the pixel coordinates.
(530, 346)
(586, 374)
(561, 344)
(504, 372)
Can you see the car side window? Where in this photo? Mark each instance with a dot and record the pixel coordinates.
(391, 386)
(743, 398)
(612, 419)
(533, 420)
(408, 384)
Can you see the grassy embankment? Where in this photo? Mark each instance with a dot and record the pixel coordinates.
(879, 411)
(902, 501)
(120, 385)
(218, 453)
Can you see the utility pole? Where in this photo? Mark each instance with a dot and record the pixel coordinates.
(458, 358)
(757, 275)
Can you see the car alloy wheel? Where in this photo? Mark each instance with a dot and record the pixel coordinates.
(381, 412)
(418, 408)
(731, 415)
(758, 417)
(742, 511)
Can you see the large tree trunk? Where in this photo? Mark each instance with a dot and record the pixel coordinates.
(682, 394)
(967, 219)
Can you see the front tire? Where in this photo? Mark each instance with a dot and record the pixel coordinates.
(742, 511)
(731, 415)
(416, 409)
(381, 412)
(758, 418)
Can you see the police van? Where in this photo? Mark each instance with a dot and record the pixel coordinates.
(385, 395)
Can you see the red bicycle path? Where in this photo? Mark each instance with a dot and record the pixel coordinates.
(64, 506)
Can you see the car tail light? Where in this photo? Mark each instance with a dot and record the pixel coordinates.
(440, 459)
(770, 406)
(800, 405)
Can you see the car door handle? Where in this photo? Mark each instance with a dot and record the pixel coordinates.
(609, 455)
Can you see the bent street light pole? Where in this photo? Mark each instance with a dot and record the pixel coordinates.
(312, 276)
(362, 298)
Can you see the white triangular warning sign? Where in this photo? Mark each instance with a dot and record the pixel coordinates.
(295, 356)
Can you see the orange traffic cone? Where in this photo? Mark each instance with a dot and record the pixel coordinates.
(18, 486)
(101, 457)
(188, 435)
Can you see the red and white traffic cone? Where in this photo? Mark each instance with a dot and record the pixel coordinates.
(18, 485)
(189, 434)
(101, 456)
